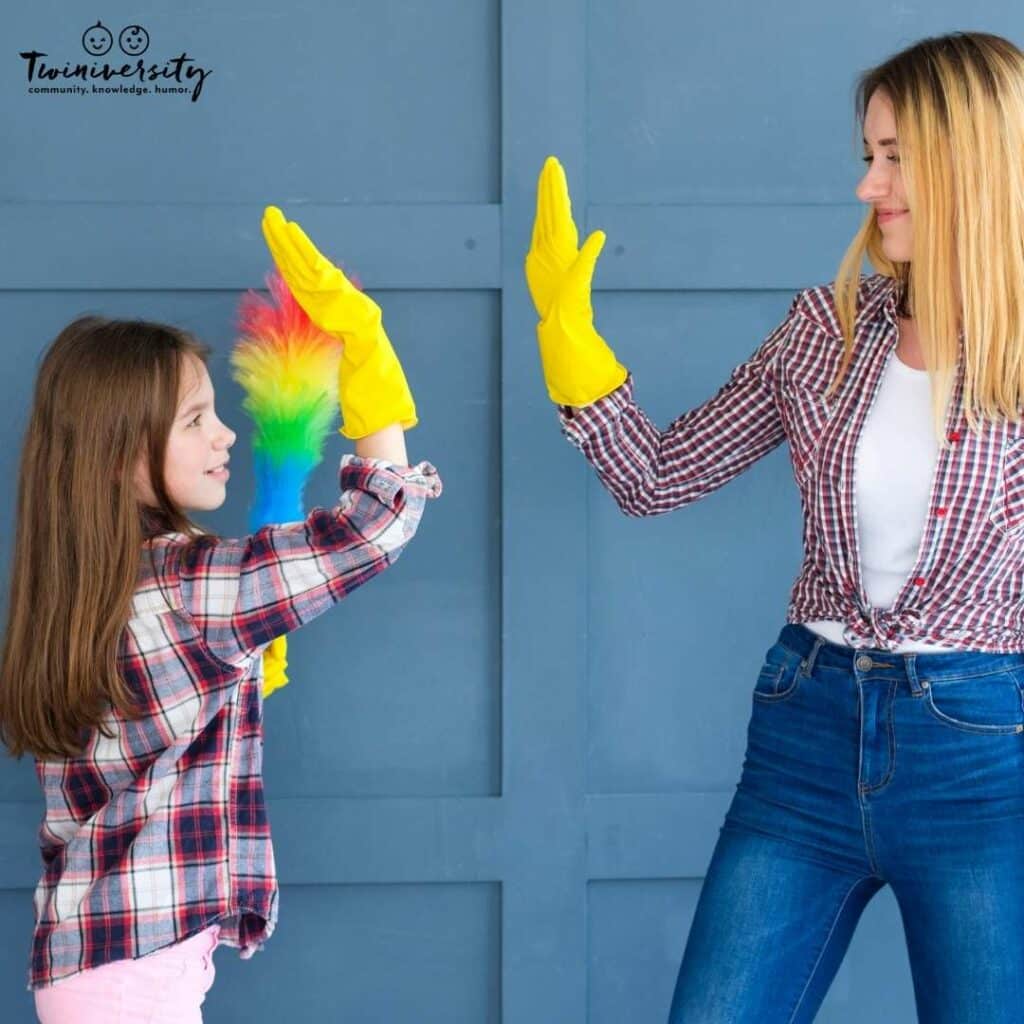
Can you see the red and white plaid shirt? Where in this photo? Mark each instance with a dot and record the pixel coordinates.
(158, 832)
(966, 590)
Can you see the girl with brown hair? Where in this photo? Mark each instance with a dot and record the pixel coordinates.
(132, 663)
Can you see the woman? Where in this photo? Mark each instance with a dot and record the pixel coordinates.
(886, 741)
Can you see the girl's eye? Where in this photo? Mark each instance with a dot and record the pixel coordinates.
(894, 159)
(195, 422)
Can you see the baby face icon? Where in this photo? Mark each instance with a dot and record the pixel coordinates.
(97, 40)
(133, 40)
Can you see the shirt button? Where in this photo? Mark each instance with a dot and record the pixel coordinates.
(954, 435)
(918, 581)
(940, 511)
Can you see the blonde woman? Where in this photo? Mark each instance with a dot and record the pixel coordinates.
(886, 740)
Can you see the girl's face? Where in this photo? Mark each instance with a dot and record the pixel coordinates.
(882, 185)
(196, 449)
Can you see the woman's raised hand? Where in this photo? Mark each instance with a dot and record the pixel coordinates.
(555, 242)
(579, 367)
(372, 389)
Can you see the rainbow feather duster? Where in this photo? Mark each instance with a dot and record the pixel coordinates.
(288, 369)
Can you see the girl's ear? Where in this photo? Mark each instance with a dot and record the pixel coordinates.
(139, 479)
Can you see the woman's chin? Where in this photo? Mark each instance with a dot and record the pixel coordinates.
(897, 249)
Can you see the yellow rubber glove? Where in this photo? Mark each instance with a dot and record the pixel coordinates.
(372, 389)
(275, 662)
(579, 367)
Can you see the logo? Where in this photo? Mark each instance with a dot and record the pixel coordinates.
(97, 40)
(177, 75)
(133, 40)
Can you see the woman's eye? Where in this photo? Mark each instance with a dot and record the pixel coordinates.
(894, 159)
(195, 422)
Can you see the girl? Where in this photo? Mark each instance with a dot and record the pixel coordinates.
(886, 741)
(132, 664)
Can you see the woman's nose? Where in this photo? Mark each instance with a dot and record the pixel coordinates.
(876, 182)
(872, 186)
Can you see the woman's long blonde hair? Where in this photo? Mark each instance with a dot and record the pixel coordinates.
(959, 108)
(106, 395)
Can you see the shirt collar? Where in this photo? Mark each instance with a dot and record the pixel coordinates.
(165, 537)
(882, 297)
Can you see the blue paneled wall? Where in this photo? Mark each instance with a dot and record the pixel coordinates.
(498, 774)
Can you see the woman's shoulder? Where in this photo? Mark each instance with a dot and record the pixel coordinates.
(818, 302)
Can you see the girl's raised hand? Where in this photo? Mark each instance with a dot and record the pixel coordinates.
(372, 389)
(332, 302)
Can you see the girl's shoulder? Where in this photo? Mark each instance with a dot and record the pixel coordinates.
(158, 584)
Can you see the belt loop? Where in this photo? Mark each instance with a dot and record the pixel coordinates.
(909, 662)
(807, 667)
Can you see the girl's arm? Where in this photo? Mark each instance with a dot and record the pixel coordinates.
(387, 443)
(242, 593)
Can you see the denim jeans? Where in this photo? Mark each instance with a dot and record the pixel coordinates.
(867, 768)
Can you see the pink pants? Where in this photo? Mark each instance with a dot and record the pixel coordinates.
(166, 987)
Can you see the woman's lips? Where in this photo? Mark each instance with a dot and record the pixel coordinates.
(892, 215)
(220, 474)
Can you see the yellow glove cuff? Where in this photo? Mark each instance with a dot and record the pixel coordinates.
(579, 368)
(374, 393)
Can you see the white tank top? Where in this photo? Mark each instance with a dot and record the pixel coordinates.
(893, 472)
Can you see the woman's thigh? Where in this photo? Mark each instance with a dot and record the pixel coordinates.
(166, 987)
(950, 840)
(965, 941)
(771, 927)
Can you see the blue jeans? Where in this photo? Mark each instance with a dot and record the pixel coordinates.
(865, 768)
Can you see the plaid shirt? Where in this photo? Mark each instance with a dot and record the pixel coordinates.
(966, 589)
(158, 832)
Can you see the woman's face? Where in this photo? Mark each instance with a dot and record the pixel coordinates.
(198, 443)
(882, 185)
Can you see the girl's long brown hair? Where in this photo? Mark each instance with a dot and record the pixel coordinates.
(958, 101)
(105, 397)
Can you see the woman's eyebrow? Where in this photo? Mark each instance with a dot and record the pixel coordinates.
(883, 142)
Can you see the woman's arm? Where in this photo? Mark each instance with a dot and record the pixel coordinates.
(646, 470)
(649, 471)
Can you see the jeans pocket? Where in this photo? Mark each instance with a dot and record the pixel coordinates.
(989, 703)
(779, 676)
